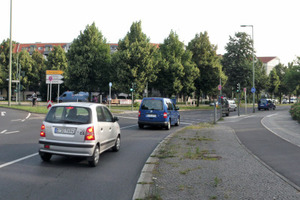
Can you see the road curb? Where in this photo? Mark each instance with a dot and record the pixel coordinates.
(146, 178)
(264, 164)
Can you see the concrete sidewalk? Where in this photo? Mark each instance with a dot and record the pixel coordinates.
(209, 163)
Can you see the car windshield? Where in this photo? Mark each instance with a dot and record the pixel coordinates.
(69, 114)
(152, 104)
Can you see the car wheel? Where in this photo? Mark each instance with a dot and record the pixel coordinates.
(168, 127)
(45, 156)
(117, 144)
(141, 126)
(178, 122)
(95, 157)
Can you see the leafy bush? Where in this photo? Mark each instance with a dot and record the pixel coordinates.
(295, 111)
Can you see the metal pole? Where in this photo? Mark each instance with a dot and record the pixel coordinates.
(58, 93)
(109, 96)
(245, 101)
(10, 57)
(253, 69)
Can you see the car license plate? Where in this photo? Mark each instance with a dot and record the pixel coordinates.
(151, 115)
(69, 131)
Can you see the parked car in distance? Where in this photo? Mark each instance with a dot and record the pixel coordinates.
(232, 105)
(285, 101)
(2, 98)
(156, 111)
(266, 104)
(79, 129)
(225, 106)
(70, 96)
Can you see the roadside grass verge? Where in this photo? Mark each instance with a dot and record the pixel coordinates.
(35, 109)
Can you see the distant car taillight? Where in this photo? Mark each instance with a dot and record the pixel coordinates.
(90, 133)
(139, 113)
(42, 133)
(165, 115)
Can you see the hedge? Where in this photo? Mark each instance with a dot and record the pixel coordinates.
(295, 111)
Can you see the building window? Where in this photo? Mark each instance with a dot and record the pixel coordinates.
(40, 48)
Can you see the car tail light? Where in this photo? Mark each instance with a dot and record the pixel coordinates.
(90, 133)
(165, 115)
(139, 113)
(42, 133)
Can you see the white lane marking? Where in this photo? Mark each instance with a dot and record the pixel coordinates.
(29, 114)
(128, 126)
(16, 120)
(22, 120)
(11, 132)
(3, 131)
(18, 160)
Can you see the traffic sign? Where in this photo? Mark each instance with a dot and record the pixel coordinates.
(49, 72)
(54, 77)
(54, 82)
(253, 90)
(49, 104)
(219, 87)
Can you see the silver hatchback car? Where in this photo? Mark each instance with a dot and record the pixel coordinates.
(79, 129)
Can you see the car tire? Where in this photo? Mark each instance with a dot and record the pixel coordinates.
(46, 156)
(94, 159)
(168, 127)
(117, 144)
(141, 126)
(178, 122)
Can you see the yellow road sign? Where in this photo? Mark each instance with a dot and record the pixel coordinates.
(49, 72)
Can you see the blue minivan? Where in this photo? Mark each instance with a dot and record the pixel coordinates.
(157, 111)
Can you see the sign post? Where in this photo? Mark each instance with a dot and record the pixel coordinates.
(54, 77)
(110, 84)
(245, 90)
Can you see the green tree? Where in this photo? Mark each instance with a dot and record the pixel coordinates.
(208, 63)
(292, 78)
(280, 71)
(274, 82)
(261, 79)
(40, 65)
(57, 59)
(237, 61)
(89, 60)
(4, 63)
(135, 61)
(177, 71)
(31, 77)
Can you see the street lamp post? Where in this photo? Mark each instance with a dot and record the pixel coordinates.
(10, 56)
(253, 69)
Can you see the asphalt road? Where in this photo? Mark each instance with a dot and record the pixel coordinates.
(267, 135)
(24, 176)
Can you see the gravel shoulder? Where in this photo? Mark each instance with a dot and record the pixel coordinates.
(208, 162)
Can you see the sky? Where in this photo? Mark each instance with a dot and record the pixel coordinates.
(275, 22)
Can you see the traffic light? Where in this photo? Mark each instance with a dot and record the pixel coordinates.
(131, 90)
(238, 88)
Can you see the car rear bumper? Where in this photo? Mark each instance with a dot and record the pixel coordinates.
(67, 149)
(153, 123)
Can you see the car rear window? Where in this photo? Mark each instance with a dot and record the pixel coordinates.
(264, 101)
(69, 114)
(152, 104)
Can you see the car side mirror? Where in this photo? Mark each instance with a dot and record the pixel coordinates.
(176, 108)
(116, 119)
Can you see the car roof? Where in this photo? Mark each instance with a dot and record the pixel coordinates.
(79, 104)
(156, 98)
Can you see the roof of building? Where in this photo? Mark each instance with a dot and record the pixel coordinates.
(266, 59)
